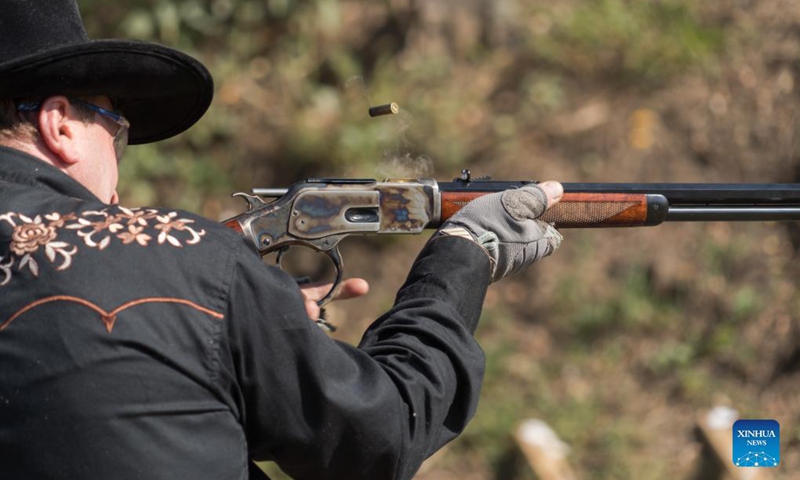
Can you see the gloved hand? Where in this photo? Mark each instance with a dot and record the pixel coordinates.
(505, 224)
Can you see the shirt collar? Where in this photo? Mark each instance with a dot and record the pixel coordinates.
(24, 169)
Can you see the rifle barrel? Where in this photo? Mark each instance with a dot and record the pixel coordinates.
(702, 193)
(727, 214)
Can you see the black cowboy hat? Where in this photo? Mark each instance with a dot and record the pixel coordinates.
(44, 50)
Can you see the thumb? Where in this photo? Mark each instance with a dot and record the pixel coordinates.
(554, 192)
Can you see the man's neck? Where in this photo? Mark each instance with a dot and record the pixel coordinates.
(34, 148)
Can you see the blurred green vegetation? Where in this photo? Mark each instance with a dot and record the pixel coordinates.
(622, 339)
(640, 41)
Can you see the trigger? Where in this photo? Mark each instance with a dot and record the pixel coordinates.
(279, 258)
(253, 201)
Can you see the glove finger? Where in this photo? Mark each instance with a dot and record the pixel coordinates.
(552, 236)
(526, 203)
(548, 243)
(517, 256)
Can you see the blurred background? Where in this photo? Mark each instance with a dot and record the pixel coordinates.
(623, 340)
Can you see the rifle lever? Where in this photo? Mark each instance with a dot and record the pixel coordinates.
(338, 265)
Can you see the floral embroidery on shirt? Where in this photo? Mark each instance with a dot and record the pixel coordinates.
(97, 228)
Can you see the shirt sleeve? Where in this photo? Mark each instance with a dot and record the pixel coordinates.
(323, 409)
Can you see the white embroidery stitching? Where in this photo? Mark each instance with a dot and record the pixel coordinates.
(96, 228)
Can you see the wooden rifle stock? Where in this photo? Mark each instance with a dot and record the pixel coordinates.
(584, 210)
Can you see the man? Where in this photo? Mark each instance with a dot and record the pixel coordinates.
(143, 343)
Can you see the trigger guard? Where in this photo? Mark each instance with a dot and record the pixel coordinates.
(338, 265)
(336, 258)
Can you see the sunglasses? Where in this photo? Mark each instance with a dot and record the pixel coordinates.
(123, 125)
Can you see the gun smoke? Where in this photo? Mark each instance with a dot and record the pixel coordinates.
(397, 162)
(404, 166)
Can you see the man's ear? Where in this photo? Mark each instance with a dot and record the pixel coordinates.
(56, 126)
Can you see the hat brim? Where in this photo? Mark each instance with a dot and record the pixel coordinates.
(161, 91)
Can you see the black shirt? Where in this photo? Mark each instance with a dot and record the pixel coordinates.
(154, 344)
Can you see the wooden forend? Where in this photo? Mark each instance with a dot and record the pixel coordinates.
(575, 210)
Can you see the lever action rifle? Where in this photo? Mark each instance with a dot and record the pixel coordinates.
(319, 213)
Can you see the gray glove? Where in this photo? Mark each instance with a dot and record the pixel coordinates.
(505, 224)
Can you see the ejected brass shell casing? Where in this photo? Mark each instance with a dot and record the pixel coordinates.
(388, 109)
